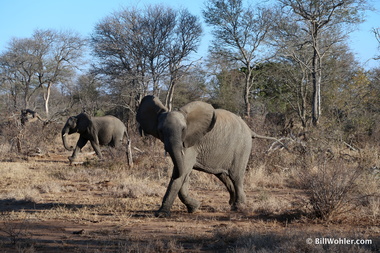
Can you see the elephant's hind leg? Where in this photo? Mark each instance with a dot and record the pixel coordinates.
(229, 185)
(96, 147)
(240, 194)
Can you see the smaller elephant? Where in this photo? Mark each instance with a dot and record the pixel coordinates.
(107, 130)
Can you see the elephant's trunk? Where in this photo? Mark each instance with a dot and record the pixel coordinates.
(175, 149)
(64, 139)
(176, 181)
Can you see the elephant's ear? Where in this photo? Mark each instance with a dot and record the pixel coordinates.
(83, 122)
(200, 119)
(147, 115)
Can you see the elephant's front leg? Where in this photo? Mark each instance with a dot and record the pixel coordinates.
(80, 144)
(96, 147)
(183, 164)
(191, 204)
(170, 195)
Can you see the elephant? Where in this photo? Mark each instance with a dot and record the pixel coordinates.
(199, 137)
(106, 130)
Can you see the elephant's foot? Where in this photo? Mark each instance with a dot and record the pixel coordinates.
(71, 159)
(162, 214)
(238, 207)
(193, 207)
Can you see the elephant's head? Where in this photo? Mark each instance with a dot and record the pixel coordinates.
(147, 115)
(178, 129)
(75, 124)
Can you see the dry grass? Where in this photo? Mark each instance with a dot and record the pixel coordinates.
(108, 204)
(245, 240)
(104, 206)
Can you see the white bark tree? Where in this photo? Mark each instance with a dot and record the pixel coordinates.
(239, 32)
(57, 56)
(46, 59)
(323, 23)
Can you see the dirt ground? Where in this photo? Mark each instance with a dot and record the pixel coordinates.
(48, 206)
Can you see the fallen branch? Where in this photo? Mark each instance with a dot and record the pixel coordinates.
(283, 143)
(138, 150)
(279, 144)
(276, 141)
(255, 135)
(350, 146)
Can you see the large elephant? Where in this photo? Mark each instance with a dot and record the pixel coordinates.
(197, 136)
(107, 130)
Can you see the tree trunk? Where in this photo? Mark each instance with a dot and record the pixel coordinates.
(47, 98)
(247, 90)
(316, 100)
(303, 96)
(129, 153)
(26, 101)
(316, 75)
(169, 96)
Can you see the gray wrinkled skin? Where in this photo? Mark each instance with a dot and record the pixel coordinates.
(100, 131)
(202, 138)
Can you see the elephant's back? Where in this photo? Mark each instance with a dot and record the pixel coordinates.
(110, 129)
(231, 123)
(110, 121)
(232, 131)
(227, 145)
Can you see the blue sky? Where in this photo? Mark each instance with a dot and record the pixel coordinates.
(19, 18)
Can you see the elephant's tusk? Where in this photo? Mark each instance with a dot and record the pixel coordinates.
(64, 135)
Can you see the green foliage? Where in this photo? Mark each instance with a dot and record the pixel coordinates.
(227, 90)
(121, 73)
(352, 106)
(273, 85)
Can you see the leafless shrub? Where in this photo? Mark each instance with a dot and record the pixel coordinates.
(369, 187)
(369, 157)
(332, 186)
(14, 229)
(17, 139)
(10, 135)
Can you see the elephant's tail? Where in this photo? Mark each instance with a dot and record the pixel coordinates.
(255, 135)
